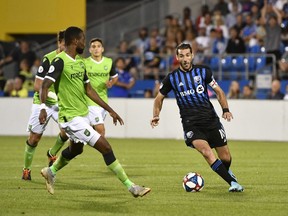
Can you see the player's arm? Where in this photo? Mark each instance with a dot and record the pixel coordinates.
(158, 102)
(92, 94)
(164, 89)
(53, 74)
(113, 77)
(221, 97)
(41, 72)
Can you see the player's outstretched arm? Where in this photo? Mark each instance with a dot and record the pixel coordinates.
(92, 94)
(158, 102)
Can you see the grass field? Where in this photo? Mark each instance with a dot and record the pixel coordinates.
(87, 187)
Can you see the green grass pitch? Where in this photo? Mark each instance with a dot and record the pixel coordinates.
(87, 187)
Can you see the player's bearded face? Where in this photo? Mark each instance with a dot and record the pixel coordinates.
(185, 59)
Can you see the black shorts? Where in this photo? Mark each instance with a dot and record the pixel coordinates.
(216, 137)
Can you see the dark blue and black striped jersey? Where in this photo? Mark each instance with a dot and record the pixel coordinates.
(190, 89)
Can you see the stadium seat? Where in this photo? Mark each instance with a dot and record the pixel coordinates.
(214, 63)
(260, 63)
(238, 67)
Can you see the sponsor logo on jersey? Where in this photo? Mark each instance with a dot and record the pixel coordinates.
(77, 75)
(92, 74)
(188, 92)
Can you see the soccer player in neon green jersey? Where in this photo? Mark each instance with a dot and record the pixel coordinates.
(34, 127)
(102, 75)
(68, 74)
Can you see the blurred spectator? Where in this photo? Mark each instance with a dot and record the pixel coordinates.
(9, 86)
(248, 92)
(221, 6)
(200, 18)
(29, 77)
(203, 43)
(234, 90)
(219, 24)
(255, 12)
(18, 88)
(246, 6)
(275, 93)
(159, 39)
(167, 24)
(207, 23)
(240, 24)
(235, 43)
(152, 60)
(273, 31)
(125, 80)
(230, 19)
(283, 66)
(140, 44)
(234, 4)
(170, 43)
(148, 93)
(220, 43)
(20, 53)
(249, 32)
(131, 62)
(180, 36)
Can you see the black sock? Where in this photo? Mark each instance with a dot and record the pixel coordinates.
(109, 158)
(226, 164)
(220, 169)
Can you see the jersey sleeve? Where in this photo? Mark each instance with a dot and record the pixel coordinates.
(86, 78)
(43, 69)
(165, 86)
(113, 72)
(210, 79)
(55, 69)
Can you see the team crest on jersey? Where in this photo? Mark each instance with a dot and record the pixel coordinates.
(189, 134)
(105, 67)
(40, 69)
(82, 65)
(197, 79)
(97, 119)
(87, 132)
(51, 69)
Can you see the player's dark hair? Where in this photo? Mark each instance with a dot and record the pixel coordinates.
(61, 35)
(182, 46)
(96, 39)
(72, 33)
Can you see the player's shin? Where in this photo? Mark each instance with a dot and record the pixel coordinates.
(117, 169)
(220, 169)
(28, 155)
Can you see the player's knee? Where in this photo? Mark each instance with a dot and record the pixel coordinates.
(33, 139)
(70, 154)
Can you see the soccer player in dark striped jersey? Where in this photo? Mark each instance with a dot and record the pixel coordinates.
(202, 127)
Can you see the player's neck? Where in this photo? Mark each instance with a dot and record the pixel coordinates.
(71, 52)
(97, 58)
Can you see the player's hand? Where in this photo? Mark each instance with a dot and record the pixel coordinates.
(227, 116)
(154, 121)
(116, 118)
(108, 84)
(42, 116)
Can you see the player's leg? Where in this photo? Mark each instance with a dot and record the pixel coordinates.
(113, 164)
(225, 156)
(100, 128)
(30, 148)
(96, 117)
(52, 152)
(60, 140)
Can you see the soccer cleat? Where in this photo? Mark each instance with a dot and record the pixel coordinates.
(50, 179)
(26, 174)
(232, 175)
(51, 158)
(137, 190)
(235, 187)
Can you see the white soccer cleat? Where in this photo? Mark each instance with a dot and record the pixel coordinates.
(50, 179)
(137, 190)
(235, 187)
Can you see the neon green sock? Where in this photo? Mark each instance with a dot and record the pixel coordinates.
(28, 156)
(57, 146)
(59, 164)
(121, 175)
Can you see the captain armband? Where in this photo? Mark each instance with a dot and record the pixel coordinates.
(213, 83)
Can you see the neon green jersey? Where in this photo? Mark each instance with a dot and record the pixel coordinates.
(69, 76)
(99, 73)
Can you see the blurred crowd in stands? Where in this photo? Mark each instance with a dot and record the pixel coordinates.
(236, 38)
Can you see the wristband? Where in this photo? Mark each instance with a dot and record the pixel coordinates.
(42, 106)
(225, 110)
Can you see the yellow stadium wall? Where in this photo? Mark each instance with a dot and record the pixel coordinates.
(40, 16)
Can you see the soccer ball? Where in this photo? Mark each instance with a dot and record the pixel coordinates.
(193, 182)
